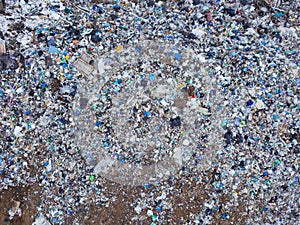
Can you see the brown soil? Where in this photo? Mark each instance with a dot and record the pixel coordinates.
(29, 198)
(189, 198)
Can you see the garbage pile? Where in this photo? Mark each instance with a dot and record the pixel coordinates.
(211, 101)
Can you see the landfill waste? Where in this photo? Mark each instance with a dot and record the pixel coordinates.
(15, 209)
(151, 112)
(41, 220)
